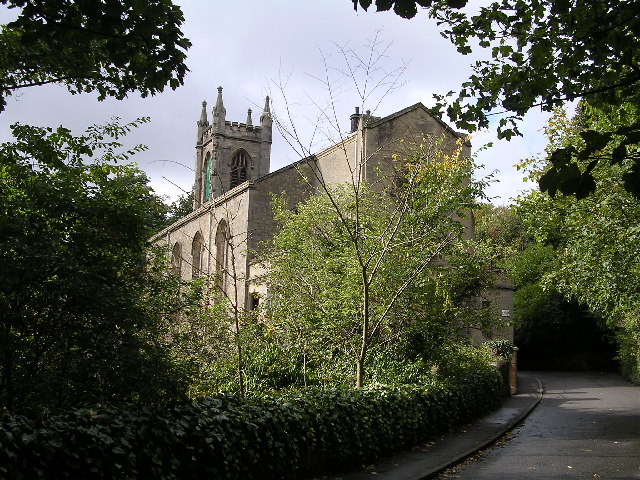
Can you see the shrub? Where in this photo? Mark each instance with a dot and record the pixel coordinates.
(629, 348)
(264, 437)
(501, 348)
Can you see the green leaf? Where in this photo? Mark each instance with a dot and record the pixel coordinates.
(405, 9)
(582, 188)
(549, 182)
(595, 141)
(561, 157)
(619, 153)
(631, 181)
(384, 5)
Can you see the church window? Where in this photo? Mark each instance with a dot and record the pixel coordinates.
(176, 259)
(254, 302)
(196, 256)
(222, 253)
(207, 178)
(239, 164)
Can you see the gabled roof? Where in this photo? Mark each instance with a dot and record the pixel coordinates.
(373, 123)
(416, 106)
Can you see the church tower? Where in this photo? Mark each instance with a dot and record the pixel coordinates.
(229, 153)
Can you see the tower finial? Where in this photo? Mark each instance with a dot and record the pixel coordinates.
(266, 113)
(249, 120)
(219, 108)
(203, 122)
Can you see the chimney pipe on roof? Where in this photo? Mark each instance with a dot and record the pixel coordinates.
(355, 118)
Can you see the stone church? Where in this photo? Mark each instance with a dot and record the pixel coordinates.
(232, 215)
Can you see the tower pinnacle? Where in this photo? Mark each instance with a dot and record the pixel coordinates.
(203, 122)
(266, 113)
(219, 109)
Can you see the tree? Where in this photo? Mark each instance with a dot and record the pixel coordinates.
(361, 261)
(355, 268)
(114, 47)
(82, 298)
(501, 229)
(180, 208)
(551, 331)
(226, 284)
(210, 335)
(543, 54)
(202, 338)
(84, 301)
(595, 239)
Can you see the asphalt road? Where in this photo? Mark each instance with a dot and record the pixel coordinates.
(586, 426)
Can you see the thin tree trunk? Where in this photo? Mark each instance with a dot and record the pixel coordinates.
(239, 353)
(359, 372)
(304, 368)
(360, 364)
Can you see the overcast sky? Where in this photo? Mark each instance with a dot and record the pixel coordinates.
(253, 46)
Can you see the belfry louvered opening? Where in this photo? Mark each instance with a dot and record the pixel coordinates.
(239, 165)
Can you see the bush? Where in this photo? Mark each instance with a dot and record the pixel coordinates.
(264, 437)
(629, 348)
(501, 348)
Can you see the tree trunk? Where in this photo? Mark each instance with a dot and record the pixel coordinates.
(239, 353)
(304, 368)
(240, 372)
(365, 332)
(359, 372)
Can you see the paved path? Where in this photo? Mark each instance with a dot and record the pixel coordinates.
(427, 460)
(586, 426)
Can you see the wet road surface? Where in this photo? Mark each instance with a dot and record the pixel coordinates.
(586, 426)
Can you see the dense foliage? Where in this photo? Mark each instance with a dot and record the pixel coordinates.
(543, 54)
(356, 269)
(82, 299)
(113, 48)
(502, 229)
(552, 332)
(595, 240)
(180, 208)
(285, 436)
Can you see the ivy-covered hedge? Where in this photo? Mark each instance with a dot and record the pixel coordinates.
(286, 436)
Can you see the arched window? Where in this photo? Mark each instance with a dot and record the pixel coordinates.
(222, 253)
(176, 259)
(239, 164)
(196, 256)
(207, 178)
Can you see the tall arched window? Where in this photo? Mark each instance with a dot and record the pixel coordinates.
(207, 178)
(239, 164)
(196, 256)
(176, 259)
(222, 253)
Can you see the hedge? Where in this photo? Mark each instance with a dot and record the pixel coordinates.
(268, 437)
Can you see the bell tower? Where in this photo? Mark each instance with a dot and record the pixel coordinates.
(228, 154)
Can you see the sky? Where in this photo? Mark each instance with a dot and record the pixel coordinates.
(289, 50)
